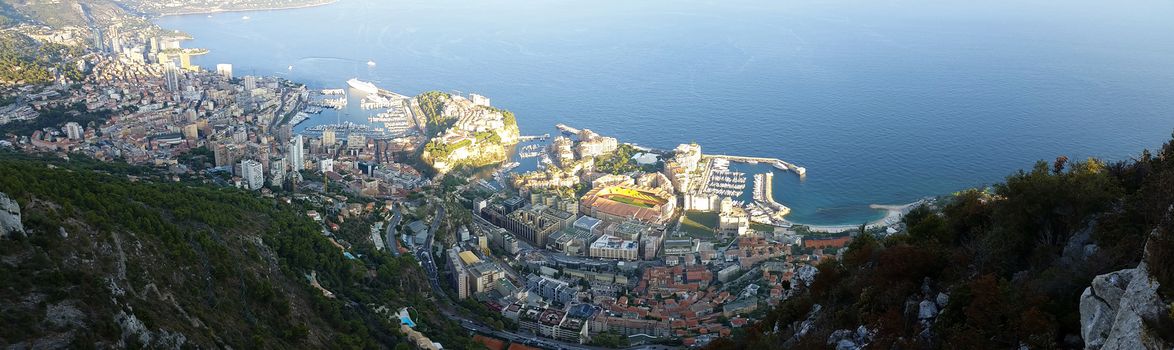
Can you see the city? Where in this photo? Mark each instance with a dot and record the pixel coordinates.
(445, 222)
(593, 246)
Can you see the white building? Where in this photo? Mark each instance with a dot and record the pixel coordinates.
(171, 76)
(612, 247)
(297, 155)
(326, 165)
(252, 174)
(479, 100)
(74, 131)
(250, 83)
(225, 70)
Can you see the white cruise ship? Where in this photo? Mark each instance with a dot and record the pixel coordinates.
(363, 86)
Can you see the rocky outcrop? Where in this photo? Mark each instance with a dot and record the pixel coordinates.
(846, 339)
(1114, 308)
(9, 217)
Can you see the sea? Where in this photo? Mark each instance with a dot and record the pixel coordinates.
(883, 102)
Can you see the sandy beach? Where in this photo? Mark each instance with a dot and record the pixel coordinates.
(893, 214)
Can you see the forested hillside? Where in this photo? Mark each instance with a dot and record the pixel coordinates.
(1005, 267)
(112, 256)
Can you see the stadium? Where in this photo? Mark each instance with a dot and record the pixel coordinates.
(623, 202)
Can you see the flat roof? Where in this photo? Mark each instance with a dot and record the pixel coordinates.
(469, 258)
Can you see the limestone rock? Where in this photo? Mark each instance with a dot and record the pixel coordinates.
(1113, 310)
(9, 217)
(927, 310)
(942, 299)
(805, 275)
(846, 339)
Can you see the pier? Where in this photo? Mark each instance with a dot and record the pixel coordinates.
(569, 131)
(542, 137)
(777, 163)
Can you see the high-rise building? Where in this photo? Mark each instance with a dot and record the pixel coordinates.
(296, 157)
(460, 278)
(328, 137)
(171, 76)
(115, 42)
(326, 165)
(74, 131)
(277, 171)
(225, 70)
(154, 45)
(185, 61)
(99, 42)
(253, 174)
(250, 83)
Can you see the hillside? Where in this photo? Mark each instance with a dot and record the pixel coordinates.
(112, 256)
(1008, 267)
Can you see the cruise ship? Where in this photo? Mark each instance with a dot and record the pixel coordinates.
(363, 86)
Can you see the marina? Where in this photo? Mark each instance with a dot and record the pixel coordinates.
(775, 162)
(542, 137)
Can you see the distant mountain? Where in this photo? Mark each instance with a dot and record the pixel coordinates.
(100, 255)
(1066, 255)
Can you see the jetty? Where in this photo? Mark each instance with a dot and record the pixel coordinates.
(542, 137)
(764, 196)
(777, 163)
(569, 131)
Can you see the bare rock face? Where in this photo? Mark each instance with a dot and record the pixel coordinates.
(9, 217)
(1114, 307)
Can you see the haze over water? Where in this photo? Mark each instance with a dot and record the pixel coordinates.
(882, 101)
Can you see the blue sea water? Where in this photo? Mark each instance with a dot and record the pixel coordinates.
(882, 101)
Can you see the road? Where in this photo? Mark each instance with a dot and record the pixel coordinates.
(389, 240)
(424, 254)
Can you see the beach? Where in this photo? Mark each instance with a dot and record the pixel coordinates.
(893, 214)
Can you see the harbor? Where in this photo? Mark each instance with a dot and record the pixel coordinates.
(775, 162)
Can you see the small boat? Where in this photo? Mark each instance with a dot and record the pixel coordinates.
(245, 17)
(370, 63)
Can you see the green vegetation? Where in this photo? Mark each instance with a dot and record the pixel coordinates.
(202, 261)
(608, 340)
(25, 61)
(437, 149)
(618, 162)
(761, 227)
(432, 105)
(56, 117)
(632, 201)
(999, 255)
(699, 224)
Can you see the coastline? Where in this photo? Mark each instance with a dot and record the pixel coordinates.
(893, 214)
(276, 8)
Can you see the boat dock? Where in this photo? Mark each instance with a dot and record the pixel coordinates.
(542, 137)
(777, 163)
